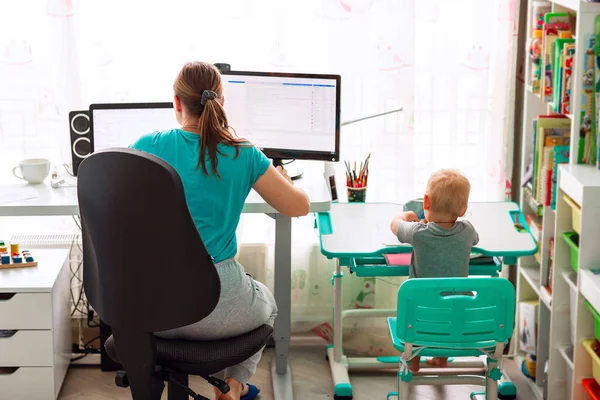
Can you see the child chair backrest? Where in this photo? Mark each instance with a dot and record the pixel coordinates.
(441, 312)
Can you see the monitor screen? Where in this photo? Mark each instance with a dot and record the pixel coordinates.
(119, 125)
(288, 116)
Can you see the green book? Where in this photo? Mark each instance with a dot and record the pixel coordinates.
(559, 57)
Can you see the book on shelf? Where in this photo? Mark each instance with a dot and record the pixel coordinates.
(550, 131)
(567, 86)
(560, 77)
(550, 265)
(528, 329)
(587, 130)
(546, 294)
(555, 24)
(560, 156)
(535, 226)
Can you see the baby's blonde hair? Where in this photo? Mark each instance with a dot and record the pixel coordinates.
(448, 191)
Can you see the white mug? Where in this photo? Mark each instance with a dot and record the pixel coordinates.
(33, 170)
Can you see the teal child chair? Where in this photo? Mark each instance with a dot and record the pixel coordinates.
(453, 317)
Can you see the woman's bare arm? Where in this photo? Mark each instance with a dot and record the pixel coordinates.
(276, 188)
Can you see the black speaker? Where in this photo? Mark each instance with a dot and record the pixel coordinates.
(79, 127)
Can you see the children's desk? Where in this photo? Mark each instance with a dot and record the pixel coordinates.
(357, 235)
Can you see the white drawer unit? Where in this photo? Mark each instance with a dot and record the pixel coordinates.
(35, 327)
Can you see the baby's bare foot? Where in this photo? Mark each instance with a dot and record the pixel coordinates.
(440, 362)
(414, 364)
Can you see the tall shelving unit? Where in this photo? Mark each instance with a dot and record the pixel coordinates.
(567, 363)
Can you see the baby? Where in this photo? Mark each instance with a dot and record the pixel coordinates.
(441, 244)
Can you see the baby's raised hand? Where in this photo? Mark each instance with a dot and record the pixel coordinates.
(409, 216)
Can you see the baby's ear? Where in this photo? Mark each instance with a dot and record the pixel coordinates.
(463, 212)
(426, 203)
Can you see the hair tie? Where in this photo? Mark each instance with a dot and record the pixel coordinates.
(207, 95)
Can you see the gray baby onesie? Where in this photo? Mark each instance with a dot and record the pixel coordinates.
(438, 252)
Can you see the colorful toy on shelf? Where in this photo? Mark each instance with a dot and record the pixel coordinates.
(528, 366)
(16, 258)
(540, 9)
(535, 52)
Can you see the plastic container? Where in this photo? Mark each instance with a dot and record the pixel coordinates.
(595, 359)
(572, 240)
(571, 282)
(592, 388)
(596, 319)
(575, 214)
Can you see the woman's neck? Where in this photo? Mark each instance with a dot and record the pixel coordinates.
(190, 128)
(190, 125)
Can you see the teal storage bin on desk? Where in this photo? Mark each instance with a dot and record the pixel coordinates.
(572, 239)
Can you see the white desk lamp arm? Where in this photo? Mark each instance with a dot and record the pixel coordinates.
(329, 167)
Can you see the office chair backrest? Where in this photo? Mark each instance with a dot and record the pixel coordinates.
(429, 314)
(145, 265)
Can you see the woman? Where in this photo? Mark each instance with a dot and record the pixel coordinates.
(218, 170)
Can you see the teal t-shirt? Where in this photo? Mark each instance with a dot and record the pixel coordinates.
(215, 203)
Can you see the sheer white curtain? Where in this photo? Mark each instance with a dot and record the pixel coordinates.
(449, 64)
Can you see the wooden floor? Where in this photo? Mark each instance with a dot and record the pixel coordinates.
(311, 379)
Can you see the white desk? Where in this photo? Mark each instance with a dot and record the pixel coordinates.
(35, 310)
(63, 201)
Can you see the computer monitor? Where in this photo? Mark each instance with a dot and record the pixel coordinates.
(121, 124)
(286, 115)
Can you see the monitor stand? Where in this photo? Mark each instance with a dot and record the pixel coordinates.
(293, 173)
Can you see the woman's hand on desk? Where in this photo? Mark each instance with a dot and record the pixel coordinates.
(283, 173)
(408, 216)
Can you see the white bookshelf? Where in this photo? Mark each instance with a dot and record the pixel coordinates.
(582, 184)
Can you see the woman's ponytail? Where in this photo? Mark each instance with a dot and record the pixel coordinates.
(200, 89)
(214, 129)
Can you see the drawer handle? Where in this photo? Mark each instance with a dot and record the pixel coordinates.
(6, 296)
(8, 370)
(7, 333)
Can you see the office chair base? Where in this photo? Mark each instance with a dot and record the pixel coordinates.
(177, 389)
(121, 379)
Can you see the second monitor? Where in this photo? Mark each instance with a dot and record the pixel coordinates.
(286, 115)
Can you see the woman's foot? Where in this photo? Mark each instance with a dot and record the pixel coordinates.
(236, 390)
(440, 362)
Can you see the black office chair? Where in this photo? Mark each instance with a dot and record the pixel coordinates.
(147, 270)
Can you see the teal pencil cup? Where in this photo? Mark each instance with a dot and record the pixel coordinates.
(357, 195)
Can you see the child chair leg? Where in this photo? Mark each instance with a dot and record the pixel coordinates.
(492, 377)
(404, 378)
(402, 389)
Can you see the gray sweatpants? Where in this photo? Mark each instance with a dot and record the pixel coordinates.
(244, 305)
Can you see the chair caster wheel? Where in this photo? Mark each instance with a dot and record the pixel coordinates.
(121, 379)
(326, 357)
(507, 391)
(336, 397)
